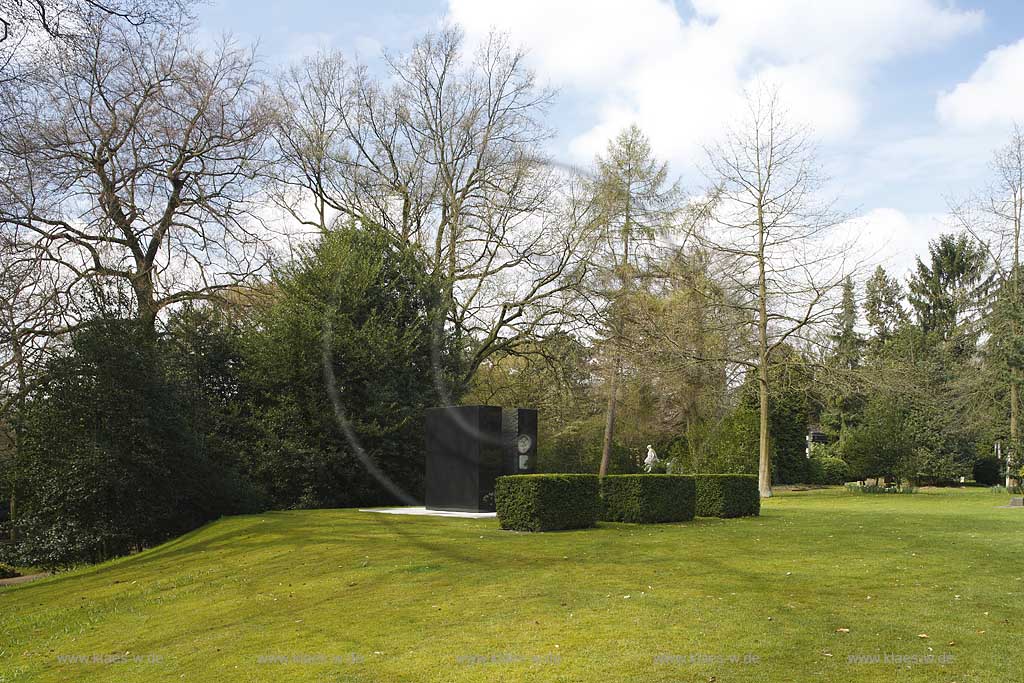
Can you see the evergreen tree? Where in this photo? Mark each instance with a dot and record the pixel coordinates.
(338, 371)
(842, 398)
(847, 342)
(947, 293)
(635, 204)
(883, 308)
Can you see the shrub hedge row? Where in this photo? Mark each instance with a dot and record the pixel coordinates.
(647, 498)
(727, 495)
(550, 502)
(547, 502)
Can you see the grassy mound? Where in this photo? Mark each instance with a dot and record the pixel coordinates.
(816, 588)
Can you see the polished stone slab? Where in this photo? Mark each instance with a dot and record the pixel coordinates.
(469, 447)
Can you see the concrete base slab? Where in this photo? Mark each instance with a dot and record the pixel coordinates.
(424, 512)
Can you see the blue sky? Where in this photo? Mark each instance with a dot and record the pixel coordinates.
(907, 97)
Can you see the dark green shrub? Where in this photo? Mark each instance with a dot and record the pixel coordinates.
(647, 498)
(727, 495)
(815, 472)
(7, 571)
(988, 471)
(547, 502)
(829, 471)
(935, 468)
(111, 461)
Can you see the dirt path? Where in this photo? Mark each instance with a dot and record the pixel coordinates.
(23, 579)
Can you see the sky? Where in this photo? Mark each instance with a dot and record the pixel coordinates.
(907, 99)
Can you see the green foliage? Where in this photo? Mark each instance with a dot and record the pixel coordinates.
(577, 449)
(647, 498)
(733, 445)
(8, 572)
(988, 471)
(338, 370)
(551, 376)
(726, 446)
(547, 502)
(878, 447)
(110, 459)
(947, 290)
(1005, 347)
(830, 471)
(789, 414)
(882, 306)
(727, 495)
(847, 342)
(935, 467)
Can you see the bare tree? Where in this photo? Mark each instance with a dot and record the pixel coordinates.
(130, 166)
(774, 241)
(31, 29)
(447, 154)
(995, 218)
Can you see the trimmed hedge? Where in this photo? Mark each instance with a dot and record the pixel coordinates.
(727, 495)
(547, 502)
(647, 498)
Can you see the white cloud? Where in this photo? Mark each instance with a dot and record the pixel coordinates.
(680, 77)
(992, 96)
(892, 238)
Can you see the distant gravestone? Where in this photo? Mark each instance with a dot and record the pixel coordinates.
(1017, 502)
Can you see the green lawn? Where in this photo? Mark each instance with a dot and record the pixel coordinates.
(339, 595)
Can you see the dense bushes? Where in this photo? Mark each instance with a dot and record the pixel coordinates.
(645, 498)
(727, 495)
(988, 471)
(110, 459)
(829, 471)
(301, 399)
(547, 502)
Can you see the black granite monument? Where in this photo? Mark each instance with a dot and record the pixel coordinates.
(468, 447)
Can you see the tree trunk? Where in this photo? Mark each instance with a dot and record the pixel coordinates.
(764, 478)
(609, 424)
(1012, 456)
(145, 297)
(618, 327)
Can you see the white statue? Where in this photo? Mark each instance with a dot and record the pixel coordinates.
(651, 460)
